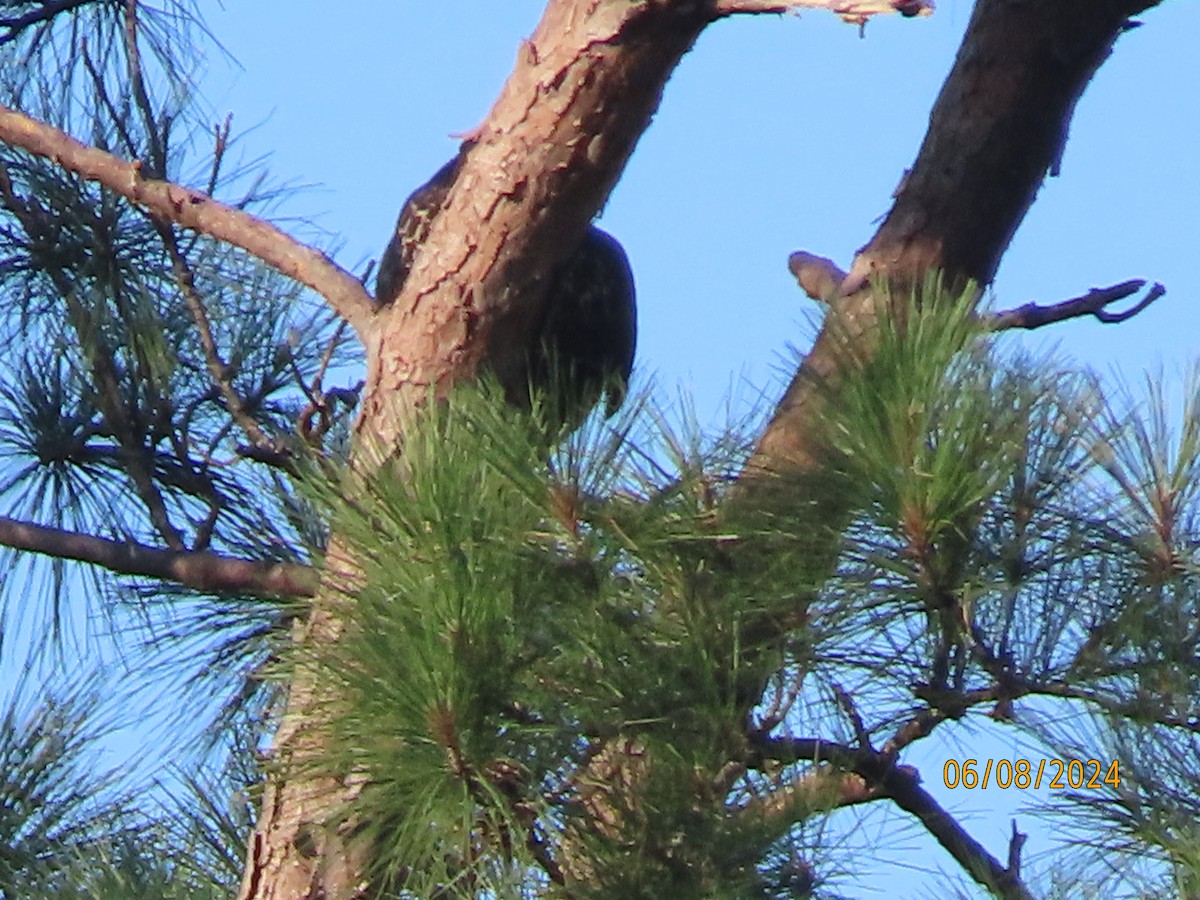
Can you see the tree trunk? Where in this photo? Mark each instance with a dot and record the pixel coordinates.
(537, 170)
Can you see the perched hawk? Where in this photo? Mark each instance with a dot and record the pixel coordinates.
(585, 342)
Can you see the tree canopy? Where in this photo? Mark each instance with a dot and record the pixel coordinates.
(439, 645)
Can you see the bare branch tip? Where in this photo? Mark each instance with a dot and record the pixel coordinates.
(818, 276)
(1094, 303)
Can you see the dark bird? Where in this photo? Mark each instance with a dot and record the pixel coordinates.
(584, 344)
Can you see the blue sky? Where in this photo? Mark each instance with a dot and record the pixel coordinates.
(776, 134)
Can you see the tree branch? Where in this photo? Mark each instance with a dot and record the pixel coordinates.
(209, 572)
(819, 277)
(39, 15)
(583, 90)
(196, 211)
(903, 785)
(1142, 707)
(881, 777)
(997, 128)
(856, 12)
(1093, 303)
(822, 280)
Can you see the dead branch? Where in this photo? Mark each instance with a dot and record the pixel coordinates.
(856, 12)
(1094, 303)
(1015, 843)
(822, 280)
(820, 277)
(209, 572)
(196, 211)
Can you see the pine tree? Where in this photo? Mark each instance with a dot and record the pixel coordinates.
(441, 645)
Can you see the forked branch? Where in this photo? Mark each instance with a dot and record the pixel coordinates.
(879, 776)
(1094, 303)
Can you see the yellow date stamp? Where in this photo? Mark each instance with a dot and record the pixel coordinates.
(1054, 774)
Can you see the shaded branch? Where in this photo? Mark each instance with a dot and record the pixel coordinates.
(194, 210)
(881, 777)
(40, 15)
(903, 785)
(1093, 303)
(830, 784)
(209, 572)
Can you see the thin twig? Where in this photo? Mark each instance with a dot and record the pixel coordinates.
(786, 691)
(220, 145)
(218, 368)
(102, 93)
(1093, 303)
(141, 96)
(846, 702)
